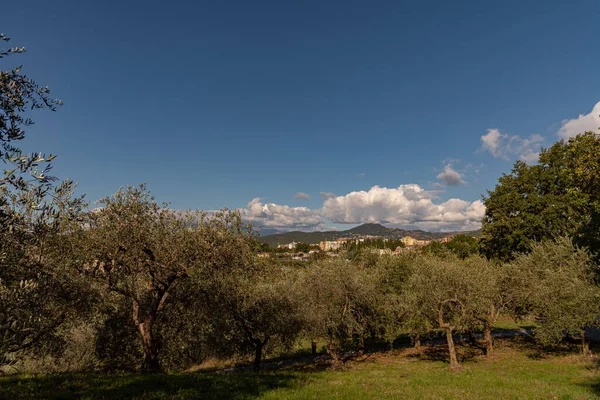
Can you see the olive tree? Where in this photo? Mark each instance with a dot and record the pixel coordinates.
(251, 310)
(34, 290)
(555, 283)
(487, 297)
(339, 301)
(438, 290)
(142, 251)
(393, 310)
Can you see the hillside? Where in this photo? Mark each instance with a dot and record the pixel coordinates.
(362, 230)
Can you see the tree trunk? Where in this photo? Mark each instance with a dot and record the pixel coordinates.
(258, 355)
(332, 352)
(417, 341)
(361, 345)
(452, 350)
(313, 348)
(150, 364)
(489, 342)
(585, 347)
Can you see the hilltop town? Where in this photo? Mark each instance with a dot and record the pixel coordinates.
(362, 232)
(333, 245)
(381, 243)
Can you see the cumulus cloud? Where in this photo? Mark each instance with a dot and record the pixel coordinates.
(302, 195)
(280, 216)
(492, 142)
(530, 156)
(408, 206)
(450, 176)
(327, 195)
(583, 123)
(505, 146)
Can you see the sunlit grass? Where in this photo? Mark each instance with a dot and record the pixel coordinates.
(506, 323)
(518, 370)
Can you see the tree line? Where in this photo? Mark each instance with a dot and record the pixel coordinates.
(130, 284)
(167, 289)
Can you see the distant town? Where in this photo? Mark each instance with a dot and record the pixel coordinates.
(303, 251)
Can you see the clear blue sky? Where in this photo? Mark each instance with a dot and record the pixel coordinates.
(217, 103)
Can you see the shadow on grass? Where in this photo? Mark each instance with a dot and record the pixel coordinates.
(592, 383)
(440, 353)
(161, 386)
(536, 351)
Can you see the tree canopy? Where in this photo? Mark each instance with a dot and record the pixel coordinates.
(559, 196)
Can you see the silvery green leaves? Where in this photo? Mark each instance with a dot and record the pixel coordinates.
(32, 207)
(9, 51)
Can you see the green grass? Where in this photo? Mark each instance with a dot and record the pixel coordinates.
(507, 323)
(517, 371)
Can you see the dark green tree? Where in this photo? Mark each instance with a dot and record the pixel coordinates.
(303, 247)
(559, 196)
(264, 248)
(437, 249)
(463, 246)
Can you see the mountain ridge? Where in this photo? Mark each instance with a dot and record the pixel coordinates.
(369, 229)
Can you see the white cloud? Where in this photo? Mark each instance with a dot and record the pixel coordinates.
(327, 195)
(529, 156)
(302, 195)
(581, 124)
(505, 146)
(408, 205)
(280, 216)
(492, 142)
(360, 174)
(450, 176)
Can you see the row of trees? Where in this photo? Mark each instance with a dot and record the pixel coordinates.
(175, 288)
(133, 284)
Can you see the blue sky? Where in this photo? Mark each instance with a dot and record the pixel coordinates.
(218, 103)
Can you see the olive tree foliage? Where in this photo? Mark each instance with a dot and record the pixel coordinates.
(339, 303)
(559, 196)
(487, 297)
(450, 293)
(33, 205)
(439, 292)
(142, 251)
(251, 309)
(555, 284)
(394, 316)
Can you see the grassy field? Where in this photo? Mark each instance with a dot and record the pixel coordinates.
(517, 371)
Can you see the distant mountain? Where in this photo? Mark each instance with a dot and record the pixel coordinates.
(369, 229)
(362, 230)
(266, 231)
